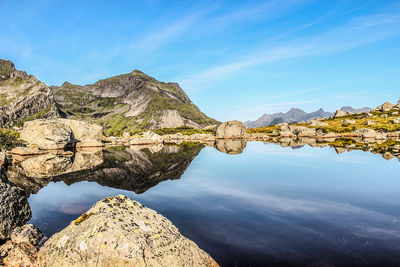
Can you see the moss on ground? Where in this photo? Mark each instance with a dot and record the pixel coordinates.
(9, 139)
(183, 130)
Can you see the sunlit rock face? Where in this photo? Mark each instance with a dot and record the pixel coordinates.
(231, 147)
(134, 168)
(14, 208)
(118, 231)
(23, 96)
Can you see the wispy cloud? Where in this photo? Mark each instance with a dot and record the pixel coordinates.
(357, 32)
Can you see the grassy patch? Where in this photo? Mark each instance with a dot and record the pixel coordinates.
(9, 139)
(183, 130)
(38, 115)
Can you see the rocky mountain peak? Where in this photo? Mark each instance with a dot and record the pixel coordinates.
(7, 70)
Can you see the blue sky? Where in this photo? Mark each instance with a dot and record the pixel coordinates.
(235, 59)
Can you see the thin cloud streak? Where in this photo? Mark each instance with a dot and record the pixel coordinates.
(358, 32)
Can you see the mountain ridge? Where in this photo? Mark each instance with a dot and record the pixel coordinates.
(295, 115)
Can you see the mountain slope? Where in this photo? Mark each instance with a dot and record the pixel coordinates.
(23, 97)
(130, 102)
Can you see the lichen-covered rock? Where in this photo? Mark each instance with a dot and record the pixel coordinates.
(27, 233)
(18, 254)
(3, 158)
(14, 208)
(47, 134)
(118, 231)
(231, 129)
(22, 96)
(386, 106)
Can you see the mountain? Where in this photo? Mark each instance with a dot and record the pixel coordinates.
(292, 116)
(23, 97)
(295, 115)
(130, 102)
(124, 103)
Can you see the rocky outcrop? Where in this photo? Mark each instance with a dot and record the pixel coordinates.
(339, 113)
(146, 139)
(60, 134)
(14, 208)
(231, 130)
(118, 231)
(386, 106)
(23, 97)
(47, 134)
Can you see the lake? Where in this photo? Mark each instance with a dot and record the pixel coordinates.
(268, 206)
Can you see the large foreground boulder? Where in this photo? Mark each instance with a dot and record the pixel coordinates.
(47, 134)
(14, 207)
(118, 231)
(61, 133)
(231, 130)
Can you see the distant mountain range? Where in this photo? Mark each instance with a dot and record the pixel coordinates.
(295, 115)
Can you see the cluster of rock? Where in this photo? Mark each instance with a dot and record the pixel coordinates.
(17, 238)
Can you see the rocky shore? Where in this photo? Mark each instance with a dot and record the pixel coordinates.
(115, 231)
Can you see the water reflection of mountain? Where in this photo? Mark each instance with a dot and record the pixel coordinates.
(129, 168)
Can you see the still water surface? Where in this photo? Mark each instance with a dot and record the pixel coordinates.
(267, 206)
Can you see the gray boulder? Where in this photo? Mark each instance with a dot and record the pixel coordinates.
(14, 208)
(84, 131)
(231, 130)
(118, 231)
(386, 106)
(47, 134)
(339, 113)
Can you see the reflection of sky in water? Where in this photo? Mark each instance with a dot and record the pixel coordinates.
(269, 205)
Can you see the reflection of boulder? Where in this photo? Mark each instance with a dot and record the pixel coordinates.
(14, 208)
(46, 165)
(33, 173)
(87, 159)
(137, 170)
(118, 231)
(231, 147)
